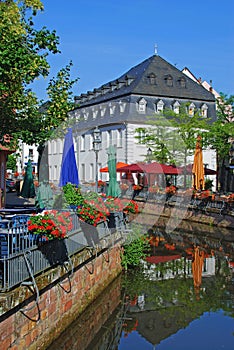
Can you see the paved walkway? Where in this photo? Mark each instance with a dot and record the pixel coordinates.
(13, 200)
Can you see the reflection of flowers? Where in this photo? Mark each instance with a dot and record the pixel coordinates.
(50, 225)
(114, 204)
(154, 189)
(170, 189)
(137, 187)
(130, 206)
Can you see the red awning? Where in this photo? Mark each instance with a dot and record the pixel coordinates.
(119, 165)
(151, 168)
(189, 170)
(133, 168)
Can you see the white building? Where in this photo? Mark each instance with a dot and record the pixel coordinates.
(121, 106)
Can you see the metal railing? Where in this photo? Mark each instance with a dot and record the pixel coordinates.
(21, 256)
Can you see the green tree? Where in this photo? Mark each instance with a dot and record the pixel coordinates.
(23, 58)
(172, 136)
(221, 134)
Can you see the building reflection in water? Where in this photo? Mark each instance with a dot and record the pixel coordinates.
(163, 297)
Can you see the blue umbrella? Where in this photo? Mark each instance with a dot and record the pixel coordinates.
(69, 171)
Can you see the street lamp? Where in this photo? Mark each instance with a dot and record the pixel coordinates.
(149, 155)
(96, 144)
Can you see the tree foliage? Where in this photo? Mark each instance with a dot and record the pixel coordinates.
(23, 58)
(172, 136)
(222, 130)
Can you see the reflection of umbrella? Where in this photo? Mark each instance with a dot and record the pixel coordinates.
(197, 266)
(69, 172)
(119, 165)
(28, 189)
(198, 167)
(113, 189)
(44, 196)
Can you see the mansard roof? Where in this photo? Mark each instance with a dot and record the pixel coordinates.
(153, 77)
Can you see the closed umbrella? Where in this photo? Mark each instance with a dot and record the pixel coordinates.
(198, 167)
(69, 171)
(44, 198)
(28, 189)
(113, 188)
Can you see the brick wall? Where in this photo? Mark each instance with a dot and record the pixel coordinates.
(62, 299)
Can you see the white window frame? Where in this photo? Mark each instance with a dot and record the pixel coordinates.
(141, 106)
(160, 106)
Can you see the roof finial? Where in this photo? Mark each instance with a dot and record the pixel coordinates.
(155, 49)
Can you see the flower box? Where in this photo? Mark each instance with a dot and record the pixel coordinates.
(116, 220)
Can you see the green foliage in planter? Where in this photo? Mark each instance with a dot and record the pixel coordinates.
(72, 194)
(208, 184)
(134, 251)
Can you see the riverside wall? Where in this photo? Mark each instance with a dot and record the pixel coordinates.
(63, 295)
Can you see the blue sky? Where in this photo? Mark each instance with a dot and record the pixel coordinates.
(105, 38)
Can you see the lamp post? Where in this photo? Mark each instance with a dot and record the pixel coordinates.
(149, 155)
(96, 144)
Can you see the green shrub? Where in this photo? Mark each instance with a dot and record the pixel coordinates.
(73, 195)
(134, 251)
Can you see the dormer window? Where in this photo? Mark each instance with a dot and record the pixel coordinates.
(120, 83)
(95, 112)
(85, 114)
(204, 109)
(182, 82)
(104, 90)
(141, 105)
(159, 106)
(169, 80)
(112, 108)
(112, 86)
(128, 80)
(122, 106)
(176, 107)
(191, 109)
(151, 79)
(103, 110)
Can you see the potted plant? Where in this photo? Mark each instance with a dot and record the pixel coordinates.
(73, 195)
(91, 214)
(115, 207)
(50, 225)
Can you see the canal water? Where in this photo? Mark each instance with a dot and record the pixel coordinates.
(180, 298)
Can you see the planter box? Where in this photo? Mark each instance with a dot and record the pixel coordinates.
(116, 220)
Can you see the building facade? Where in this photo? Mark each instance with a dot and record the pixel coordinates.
(123, 105)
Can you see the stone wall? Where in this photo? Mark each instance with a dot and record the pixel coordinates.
(63, 296)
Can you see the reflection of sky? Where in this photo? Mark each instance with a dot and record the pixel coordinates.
(212, 331)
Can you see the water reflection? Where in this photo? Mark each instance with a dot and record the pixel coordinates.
(184, 289)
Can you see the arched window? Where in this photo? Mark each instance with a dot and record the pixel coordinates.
(191, 109)
(176, 107)
(204, 109)
(141, 105)
(159, 106)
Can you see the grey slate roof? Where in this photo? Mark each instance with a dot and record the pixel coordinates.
(137, 81)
